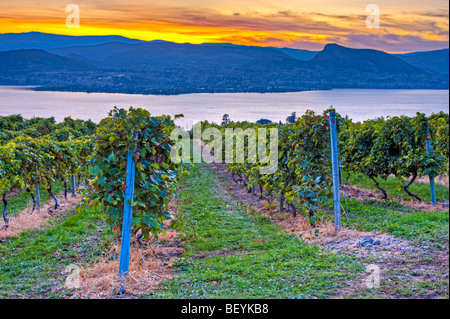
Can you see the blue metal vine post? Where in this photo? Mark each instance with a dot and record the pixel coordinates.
(335, 165)
(432, 185)
(38, 196)
(127, 219)
(72, 178)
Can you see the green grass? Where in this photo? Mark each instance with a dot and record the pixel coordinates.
(393, 187)
(261, 260)
(231, 251)
(31, 263)
(396, 219)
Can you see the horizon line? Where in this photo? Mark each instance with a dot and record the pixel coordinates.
(229, 43)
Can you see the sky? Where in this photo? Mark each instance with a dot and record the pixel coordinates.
(404, 26)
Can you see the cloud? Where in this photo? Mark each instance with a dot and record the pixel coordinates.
(274, 25)
(394, 43)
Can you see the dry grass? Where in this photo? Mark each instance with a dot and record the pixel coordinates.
(150, 261)
(322, 233)
(27, 220)
(150, 264)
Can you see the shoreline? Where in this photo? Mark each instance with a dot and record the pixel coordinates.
(37, 88)
(158, 92)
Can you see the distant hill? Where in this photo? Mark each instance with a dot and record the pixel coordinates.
(47, 41)
(263, 63)
(161, 67)
(299, 54)
(96, 52)
(37, 67)
(437, 61)
(38, 60)
(187, 55)
(150, 55)
(302, 55)
(338, 58)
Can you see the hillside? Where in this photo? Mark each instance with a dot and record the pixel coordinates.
(161, 67)
(335, 57)
(437, 61)
(38, 60)
(47, 41)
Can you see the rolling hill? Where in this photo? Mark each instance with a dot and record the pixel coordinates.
(47, 41)
(162, 67)
(335, 58)
(437, 61)
(33, 60)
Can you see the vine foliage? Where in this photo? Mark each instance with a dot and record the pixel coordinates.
(148, 138)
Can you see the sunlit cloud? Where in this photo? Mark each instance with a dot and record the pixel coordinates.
(286, 23)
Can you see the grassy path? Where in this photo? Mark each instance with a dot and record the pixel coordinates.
(234, 253)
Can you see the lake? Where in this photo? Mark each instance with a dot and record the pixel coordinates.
(358, 104)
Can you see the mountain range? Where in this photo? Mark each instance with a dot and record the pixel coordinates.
(118, 64)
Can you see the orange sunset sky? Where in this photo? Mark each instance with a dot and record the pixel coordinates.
(405, 26)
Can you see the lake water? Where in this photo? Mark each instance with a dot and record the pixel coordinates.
(358, 104)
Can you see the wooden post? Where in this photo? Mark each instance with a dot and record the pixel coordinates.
(127, 218)
(432, 184)
(335, 165)
(38, 196)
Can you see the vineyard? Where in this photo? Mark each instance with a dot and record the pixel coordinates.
(376, 149)
(39, 152)
(227, 207)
